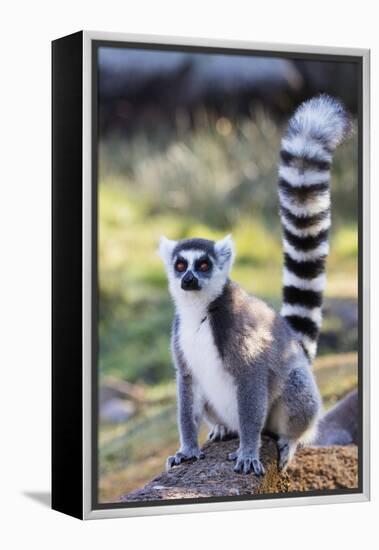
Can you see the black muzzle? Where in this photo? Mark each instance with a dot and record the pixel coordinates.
(190, 282)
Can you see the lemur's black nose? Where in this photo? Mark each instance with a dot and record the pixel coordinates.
(190, 282)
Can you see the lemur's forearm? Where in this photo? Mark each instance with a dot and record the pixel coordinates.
(188, 422)
(188, 416)
(252, 412)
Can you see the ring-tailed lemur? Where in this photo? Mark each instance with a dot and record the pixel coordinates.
(240, 365)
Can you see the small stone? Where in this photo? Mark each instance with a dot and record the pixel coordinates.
(116, 410)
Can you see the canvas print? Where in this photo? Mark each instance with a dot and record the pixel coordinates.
(228, 268)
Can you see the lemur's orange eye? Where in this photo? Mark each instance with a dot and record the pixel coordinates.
(204, 266)
(180, 266)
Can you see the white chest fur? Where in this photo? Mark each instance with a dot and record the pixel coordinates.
(212, 380)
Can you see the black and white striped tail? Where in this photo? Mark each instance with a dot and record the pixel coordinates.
(315, 130)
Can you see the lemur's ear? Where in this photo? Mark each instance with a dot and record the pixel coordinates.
(225, 250)
(165, 249)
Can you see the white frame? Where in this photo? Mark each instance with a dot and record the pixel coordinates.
(88, 512)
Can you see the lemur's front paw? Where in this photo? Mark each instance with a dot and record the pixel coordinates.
(247, 462)
(182, 456)
(221, 433)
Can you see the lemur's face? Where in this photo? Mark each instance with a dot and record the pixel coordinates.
(197, 266)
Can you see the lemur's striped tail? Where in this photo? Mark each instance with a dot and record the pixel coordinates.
(315, 130)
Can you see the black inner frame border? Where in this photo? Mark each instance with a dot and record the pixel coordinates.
(95, 45)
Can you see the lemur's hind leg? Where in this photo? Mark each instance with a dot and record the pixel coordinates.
(286, 448)
(295, 414)
(218, 430)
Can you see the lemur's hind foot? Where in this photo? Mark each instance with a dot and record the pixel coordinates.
(287, 449)
(219, 432)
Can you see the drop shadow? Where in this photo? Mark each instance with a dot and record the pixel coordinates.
(41, 497)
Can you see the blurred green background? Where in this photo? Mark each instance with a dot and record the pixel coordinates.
(204, 178)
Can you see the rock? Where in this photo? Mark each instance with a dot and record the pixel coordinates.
(213, 476)
(116, 410)
(312, 468)
(127, 73)
(317, 468)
